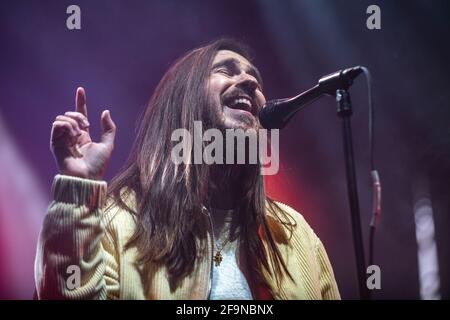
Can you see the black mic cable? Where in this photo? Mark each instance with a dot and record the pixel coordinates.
(376, 183)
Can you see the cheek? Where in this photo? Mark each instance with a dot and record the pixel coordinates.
(216, 87)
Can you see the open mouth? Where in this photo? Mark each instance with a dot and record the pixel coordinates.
(240, 103)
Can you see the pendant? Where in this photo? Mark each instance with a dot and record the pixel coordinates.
(217, 258)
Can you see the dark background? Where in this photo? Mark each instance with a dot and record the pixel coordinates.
(122, 51)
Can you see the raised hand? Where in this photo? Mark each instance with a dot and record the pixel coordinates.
(75, 152)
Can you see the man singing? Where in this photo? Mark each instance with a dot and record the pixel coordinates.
(166, 230)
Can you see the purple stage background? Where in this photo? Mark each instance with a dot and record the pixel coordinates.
(122, 51)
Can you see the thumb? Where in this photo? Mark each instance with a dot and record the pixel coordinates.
(108, 128)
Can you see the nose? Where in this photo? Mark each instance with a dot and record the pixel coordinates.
(247, 82)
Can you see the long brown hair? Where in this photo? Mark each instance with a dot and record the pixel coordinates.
(170, 197)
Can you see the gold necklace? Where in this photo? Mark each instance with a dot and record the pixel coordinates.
(218, 256)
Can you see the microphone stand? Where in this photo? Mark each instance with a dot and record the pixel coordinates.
(337, 85)
(344, 111)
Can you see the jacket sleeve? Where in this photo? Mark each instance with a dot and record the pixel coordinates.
(328, 285)
(76, 258)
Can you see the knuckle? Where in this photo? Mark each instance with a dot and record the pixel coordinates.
(63, 118)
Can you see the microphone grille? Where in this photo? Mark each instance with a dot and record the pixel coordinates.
(270, 117)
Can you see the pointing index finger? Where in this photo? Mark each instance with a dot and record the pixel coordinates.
(80, 101)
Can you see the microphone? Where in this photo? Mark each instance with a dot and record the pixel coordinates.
(275, 114)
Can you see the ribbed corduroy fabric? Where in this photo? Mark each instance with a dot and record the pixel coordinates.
(79, 233)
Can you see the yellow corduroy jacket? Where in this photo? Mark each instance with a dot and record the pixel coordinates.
(78, 234)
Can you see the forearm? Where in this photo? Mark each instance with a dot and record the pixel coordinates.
(71, 236)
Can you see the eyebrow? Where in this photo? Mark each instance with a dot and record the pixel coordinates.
(252, 70)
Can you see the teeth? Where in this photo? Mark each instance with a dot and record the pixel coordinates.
(243, 101)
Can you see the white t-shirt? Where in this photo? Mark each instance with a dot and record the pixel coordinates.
(228, 281)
